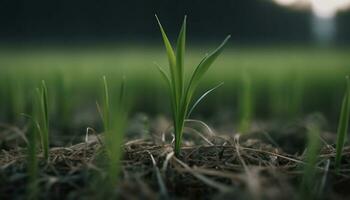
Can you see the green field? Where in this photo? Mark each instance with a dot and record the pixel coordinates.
(285, 79)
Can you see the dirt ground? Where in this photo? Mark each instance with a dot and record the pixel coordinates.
(211, 166)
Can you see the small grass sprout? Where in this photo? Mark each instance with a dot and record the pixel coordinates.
(42, 118)
(182, 94)
(307, 186)
(343, 125)
(114, 119)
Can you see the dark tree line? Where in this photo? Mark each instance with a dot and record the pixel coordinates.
(246, 20)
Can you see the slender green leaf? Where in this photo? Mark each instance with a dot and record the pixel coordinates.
(343, 125)
(202, 68)
(42, 118)
(106, 107)
(169, 48)
(201, 98)
(165, 76)
(174, 74)
(180, 54)
(45, 104)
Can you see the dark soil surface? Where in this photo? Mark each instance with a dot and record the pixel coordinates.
(211, 166)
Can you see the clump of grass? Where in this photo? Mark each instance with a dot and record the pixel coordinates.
(42, 118)
(307, 186)
(181, 94)
(343, 125)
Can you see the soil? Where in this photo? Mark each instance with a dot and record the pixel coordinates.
(211, 166)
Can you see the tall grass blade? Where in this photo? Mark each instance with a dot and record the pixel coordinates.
(180, 54)
(343, 125)
(106, 106)
(174, 71)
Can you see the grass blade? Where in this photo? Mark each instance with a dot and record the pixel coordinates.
(202, 68)
(168, 81)
(106, 106)
(201, 98)
(42, 118)
(343, 125)
(180, 54)
(174, 72)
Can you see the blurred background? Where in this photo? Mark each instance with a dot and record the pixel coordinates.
(285, 59)
(248, 21)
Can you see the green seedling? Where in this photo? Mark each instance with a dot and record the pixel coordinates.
(181, 94)
(42, 118)
(307, 187)
(114, 120)
(343, 125)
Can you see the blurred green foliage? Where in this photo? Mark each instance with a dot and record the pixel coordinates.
(287, 80)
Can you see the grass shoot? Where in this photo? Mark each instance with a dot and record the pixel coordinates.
(307, 189)
(114, 120)
(343, 125)
(181, 94)
(42, 118)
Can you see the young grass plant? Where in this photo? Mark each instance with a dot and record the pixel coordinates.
(42, 118)
(307, 187)
(343, 125)
(39, 129)
(181, 94)
(114, 126)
